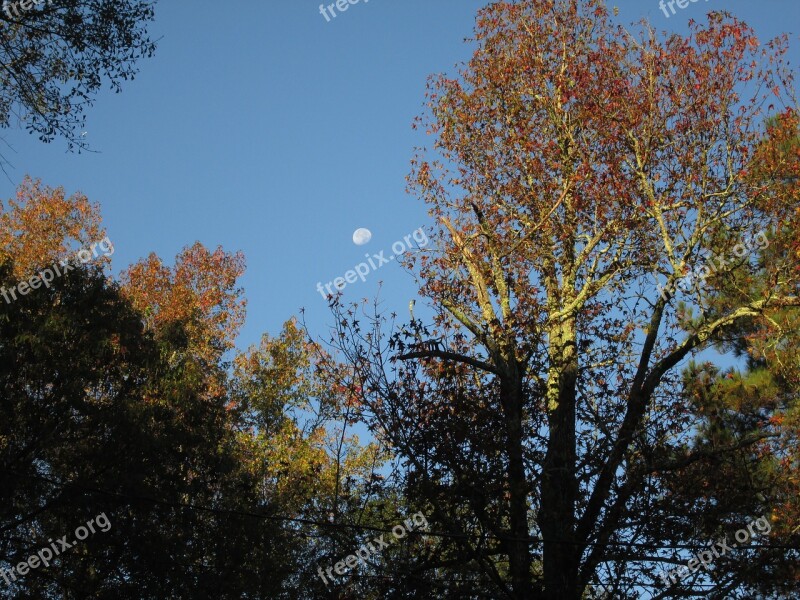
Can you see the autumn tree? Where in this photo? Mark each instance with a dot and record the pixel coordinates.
(118, 398)
(306, 461)
(42, 226)
(101, 415)
(96, 422)
(598, 227)
(200, 294)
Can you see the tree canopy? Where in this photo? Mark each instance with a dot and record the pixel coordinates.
(610, 204)
(56, 55)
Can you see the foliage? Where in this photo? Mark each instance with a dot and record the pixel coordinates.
(57, 56)
(41, 226)
(577, 170)
(117, 399)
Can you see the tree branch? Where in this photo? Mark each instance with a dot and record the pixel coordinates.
(450, 356)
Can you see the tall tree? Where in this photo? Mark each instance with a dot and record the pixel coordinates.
(593, 197)
(97, 420)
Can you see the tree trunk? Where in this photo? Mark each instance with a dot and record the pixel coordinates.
(519, 554)
(559, 485)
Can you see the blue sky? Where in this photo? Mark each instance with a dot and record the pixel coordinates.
(262, 127)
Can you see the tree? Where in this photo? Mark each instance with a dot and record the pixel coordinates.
(200, 294)
(101, 416)
(732, 404)
(55, 56)
(41, 226)
(117, 401)
(304, 462)
(598, 226)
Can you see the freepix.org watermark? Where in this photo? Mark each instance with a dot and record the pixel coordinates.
(663, 4)
(361, 270)
(707, 267)
(48, 553)
(46, 276)
(716, 550)
(416, 520)
(25, 5)
(340, 5)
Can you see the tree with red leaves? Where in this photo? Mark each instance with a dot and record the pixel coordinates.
(578, 170)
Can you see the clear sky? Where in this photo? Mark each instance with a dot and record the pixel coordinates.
(263, 127)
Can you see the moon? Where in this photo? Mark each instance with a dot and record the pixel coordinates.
(361, 236)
